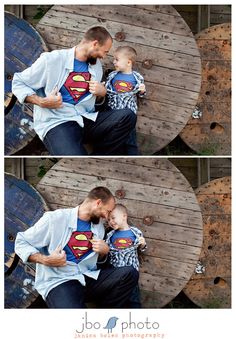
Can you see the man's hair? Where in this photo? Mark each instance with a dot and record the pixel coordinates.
(100, 192)
(98, 33)
(121, 208)
(130, 52)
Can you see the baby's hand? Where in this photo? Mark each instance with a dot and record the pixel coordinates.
(142, 88)
(142, 241)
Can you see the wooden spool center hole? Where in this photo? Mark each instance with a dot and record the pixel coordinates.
(220, 282)
(216, 128)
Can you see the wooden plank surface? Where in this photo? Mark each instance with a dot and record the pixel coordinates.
(23, 45)
(23, 207)
(212, 289)
(212, 130)
(153, 189)
(159, 34)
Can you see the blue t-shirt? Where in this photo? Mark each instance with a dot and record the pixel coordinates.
(76, 86)
(79, 246)
(123, 239)
(123, 82)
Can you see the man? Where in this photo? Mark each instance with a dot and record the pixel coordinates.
(63, 86)
(65, 245)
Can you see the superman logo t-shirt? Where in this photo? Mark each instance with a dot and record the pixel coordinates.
(76, 86)
(79, 245)
(122, 82)
(123, 239)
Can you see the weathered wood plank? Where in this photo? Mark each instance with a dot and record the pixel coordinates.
(169, 267)
(160, 213)
(164, 40)
(101, 168)
(160, 195)
(125, 14)
(164, 58)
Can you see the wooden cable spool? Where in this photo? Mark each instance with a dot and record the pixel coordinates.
(211, 287)
(210, 130)
(23, 45)
(160, 202)
(168, 58)
(23, 207)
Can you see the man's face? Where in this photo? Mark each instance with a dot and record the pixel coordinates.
(98, 51)
(102, 210)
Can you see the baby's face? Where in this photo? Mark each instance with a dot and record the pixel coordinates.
(121, 62)
(116, 219)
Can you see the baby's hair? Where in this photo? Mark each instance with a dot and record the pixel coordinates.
(121, 208)
(128, 51)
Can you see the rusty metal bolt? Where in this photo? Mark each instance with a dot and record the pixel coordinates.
(148, 220)
(120, 36)
(120, 194)
(147, 64)
(9, 76)
(11, 237)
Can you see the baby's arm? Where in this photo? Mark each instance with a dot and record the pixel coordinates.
(142, 89)
(142, 243)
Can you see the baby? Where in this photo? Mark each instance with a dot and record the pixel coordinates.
(123, 85)
(124, 242)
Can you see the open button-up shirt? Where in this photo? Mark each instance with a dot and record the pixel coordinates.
(49, 71)
(54, 229)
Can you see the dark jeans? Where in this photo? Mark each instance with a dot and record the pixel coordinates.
(134, 300)
(131, 147)
(112, 289)
(108, 134)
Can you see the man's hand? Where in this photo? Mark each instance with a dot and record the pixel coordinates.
(100, 246)
(52, 101)
(56, 259)
(97, 88)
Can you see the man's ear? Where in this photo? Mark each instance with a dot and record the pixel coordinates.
(98, 202)
(95, 43)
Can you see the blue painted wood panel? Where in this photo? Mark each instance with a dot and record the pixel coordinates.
(23, 45)
(23, 207)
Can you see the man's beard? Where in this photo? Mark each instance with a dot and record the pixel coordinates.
(94, 219)
(92, 60)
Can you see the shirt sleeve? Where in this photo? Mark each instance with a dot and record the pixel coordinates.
(33, 239)
(31, 79)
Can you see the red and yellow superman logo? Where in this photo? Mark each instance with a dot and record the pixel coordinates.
(123, 86)
(80, 243)
(123, 242)
(77, 84)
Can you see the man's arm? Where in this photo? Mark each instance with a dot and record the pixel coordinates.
(56, 259)
(53, 101)
(26, 83)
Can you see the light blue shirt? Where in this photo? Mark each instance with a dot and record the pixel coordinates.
(52, 230)
(49, 71)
